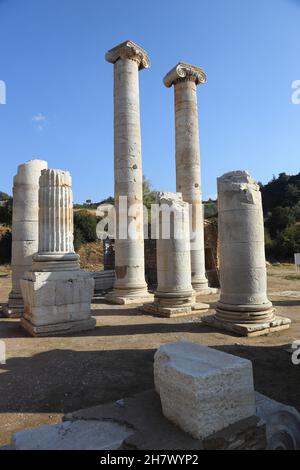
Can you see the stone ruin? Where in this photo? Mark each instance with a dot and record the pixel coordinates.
(53, 295)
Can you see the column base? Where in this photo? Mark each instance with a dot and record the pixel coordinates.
(14, 307)
(207, 291)
(171, 312)
(58, 328)
(200, 286)
(277, 323)
(117, 299)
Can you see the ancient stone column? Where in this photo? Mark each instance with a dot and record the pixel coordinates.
(57, 293)
(243, 306)
(130, 285)
(185, 79)
(174, 295)
(56, 249)
(24, 229)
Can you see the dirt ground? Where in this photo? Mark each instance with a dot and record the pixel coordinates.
(44, 378)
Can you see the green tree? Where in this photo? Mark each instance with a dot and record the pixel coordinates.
(6, 213)
(5, 247)
(149, 194)
(85, 225)
(279, 219)
(289, 242)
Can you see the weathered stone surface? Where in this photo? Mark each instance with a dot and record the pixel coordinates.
(243, 307)
(76, 435)
(143, 413)
(282, 423)
(24, 229)
(57, 294)
(128, 58)
(174, 295)
(185, 78)
(146, 428)
(203, 390)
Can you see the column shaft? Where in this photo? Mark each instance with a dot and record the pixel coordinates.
(128, 59)
(56, 248)
(24, 228)
(188, 179)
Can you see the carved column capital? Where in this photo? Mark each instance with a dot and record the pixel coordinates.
(184, 72)
(129, 50)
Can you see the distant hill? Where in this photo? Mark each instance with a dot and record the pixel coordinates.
(4, 196)
(283, 191)
(281, 205)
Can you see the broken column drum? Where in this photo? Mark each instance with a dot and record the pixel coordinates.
(24, 228)
(243, 273)
(243, 306)
(185, 78)
(57, 293)
(130, 284)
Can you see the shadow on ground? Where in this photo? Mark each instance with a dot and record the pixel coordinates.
(64, 380)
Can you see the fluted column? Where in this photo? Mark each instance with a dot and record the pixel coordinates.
(128, 59)
(24, 229)
(185, 79)
(57, 293)
(56, 249)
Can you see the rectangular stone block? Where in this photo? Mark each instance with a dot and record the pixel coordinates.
(52, 300)
(203, 390)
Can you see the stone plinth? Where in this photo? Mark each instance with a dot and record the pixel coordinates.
(104, 280)
(185, 78)
(24, 229)
(130, 286)
(174, 295)
(57, 294)
(243, 307)
(203, 390)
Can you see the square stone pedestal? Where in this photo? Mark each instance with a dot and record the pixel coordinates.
(248, 329)
(112, 298)
(169, 312)
(57, 302)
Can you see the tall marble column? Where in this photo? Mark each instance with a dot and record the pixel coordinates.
(185, 78)
(243, 306)
(57, 293)
(174, 295)
(24, 229)
(130, 285)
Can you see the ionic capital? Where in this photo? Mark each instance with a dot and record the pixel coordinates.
(128, 50)
(184, 72)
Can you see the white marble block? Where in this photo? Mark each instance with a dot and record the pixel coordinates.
(203, 390)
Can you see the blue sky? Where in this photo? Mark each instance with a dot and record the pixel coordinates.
(59, 86)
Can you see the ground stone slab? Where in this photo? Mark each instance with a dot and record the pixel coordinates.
(249, 329)
(203, 390)
(76, 435)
